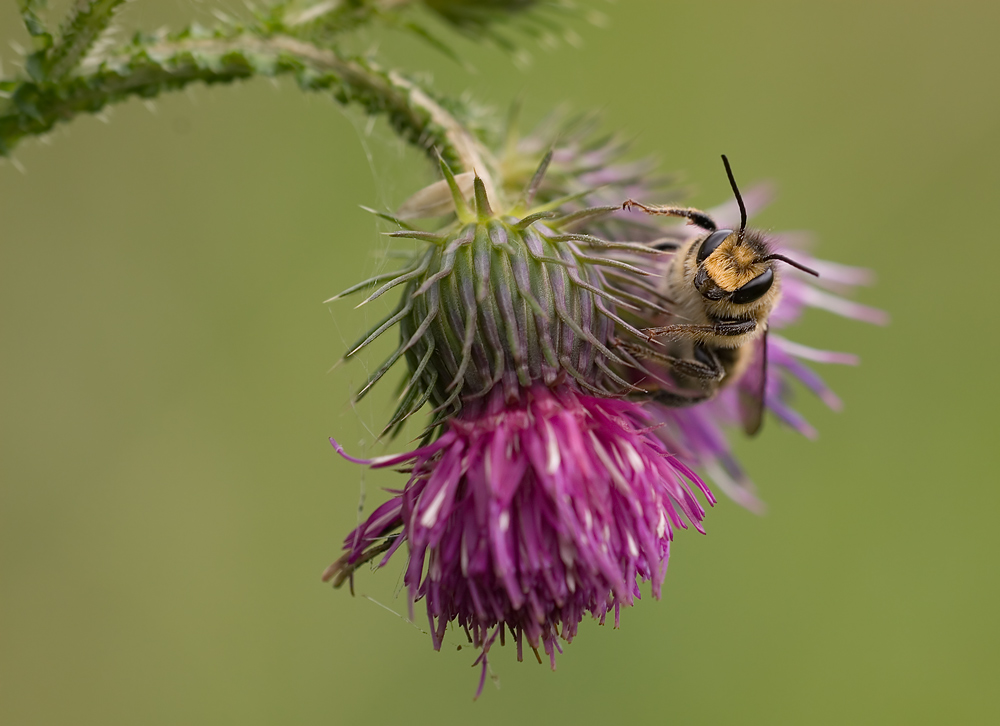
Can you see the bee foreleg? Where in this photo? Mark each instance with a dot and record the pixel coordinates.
(735, 327)
(702, 333)
(694, 216)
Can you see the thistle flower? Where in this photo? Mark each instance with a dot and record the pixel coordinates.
(539, 495)
(549, 483)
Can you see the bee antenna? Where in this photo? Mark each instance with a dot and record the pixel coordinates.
(787, 261)
(736, 191)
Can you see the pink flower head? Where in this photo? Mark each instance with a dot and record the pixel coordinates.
(526, 516)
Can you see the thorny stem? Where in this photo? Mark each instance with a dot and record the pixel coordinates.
(144, 71)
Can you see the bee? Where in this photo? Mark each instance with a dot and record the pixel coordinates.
(723, 285)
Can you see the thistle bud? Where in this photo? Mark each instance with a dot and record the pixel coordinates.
(504, 299)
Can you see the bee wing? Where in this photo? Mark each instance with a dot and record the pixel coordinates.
(752, 390)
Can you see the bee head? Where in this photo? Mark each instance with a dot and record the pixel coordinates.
(736, 266)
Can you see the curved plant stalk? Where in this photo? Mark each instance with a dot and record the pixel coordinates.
(66, 77)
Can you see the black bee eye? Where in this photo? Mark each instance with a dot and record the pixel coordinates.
(754, 289)
(712, 243)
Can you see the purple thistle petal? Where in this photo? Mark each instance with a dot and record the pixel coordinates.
(531, 514)
(816, 298)
(819, 356)
(780, 357)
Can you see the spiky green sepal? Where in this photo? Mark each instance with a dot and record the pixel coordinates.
(500, 300)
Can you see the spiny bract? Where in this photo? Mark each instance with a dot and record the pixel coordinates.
(506, 298)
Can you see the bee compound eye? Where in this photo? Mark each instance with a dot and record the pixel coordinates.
(754, 289)
(711, 243)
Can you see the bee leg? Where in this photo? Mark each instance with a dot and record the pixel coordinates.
(708, 371)
(699, 379)
(705, 368)
(735, 327)
(701, 333)
(692, 215)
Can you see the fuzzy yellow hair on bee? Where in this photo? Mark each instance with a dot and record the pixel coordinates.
(723, 285)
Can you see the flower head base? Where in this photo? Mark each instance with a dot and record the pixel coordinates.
(527, 516)
(504, 299)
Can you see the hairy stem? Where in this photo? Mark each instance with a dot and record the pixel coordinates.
(147, 70)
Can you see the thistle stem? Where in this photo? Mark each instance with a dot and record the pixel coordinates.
(145, 71)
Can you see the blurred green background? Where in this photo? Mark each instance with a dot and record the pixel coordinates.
(168, 498)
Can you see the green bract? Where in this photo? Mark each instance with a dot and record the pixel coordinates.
(506, 298)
